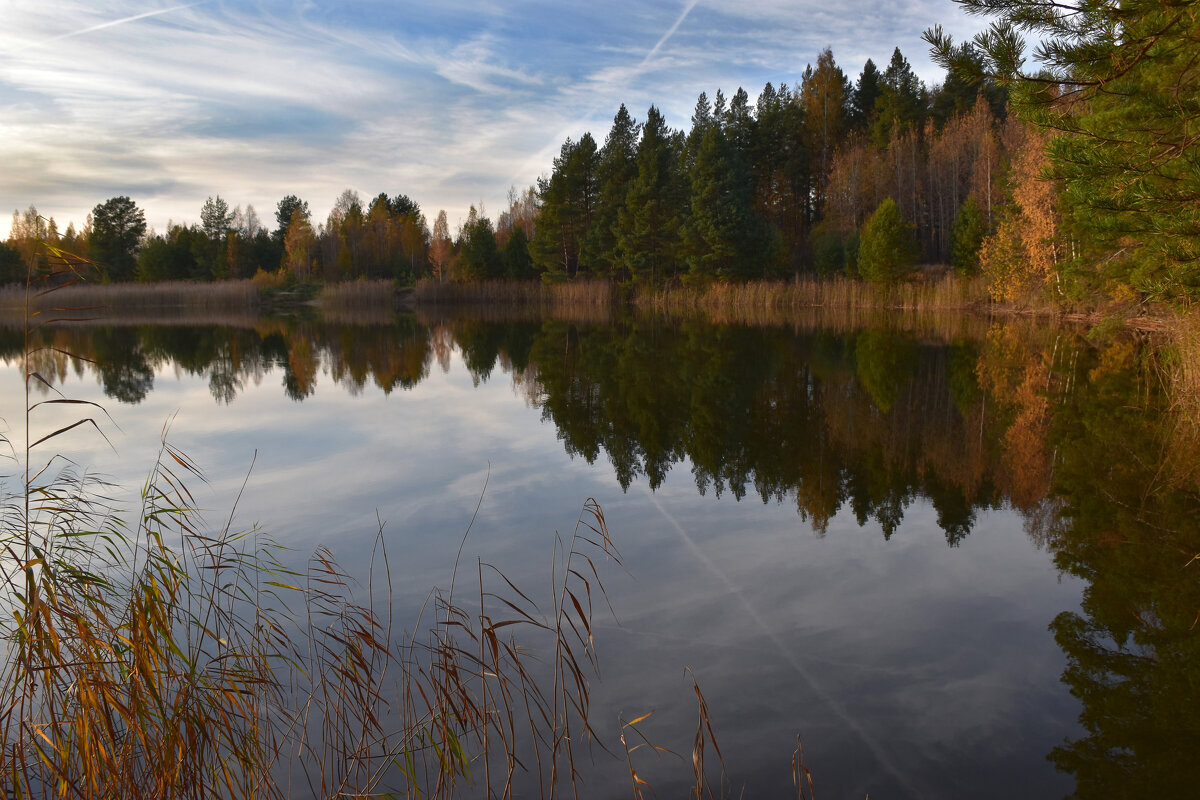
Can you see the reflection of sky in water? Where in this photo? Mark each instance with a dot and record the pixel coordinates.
(910, 668)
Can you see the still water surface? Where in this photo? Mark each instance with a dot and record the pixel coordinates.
(941, 553)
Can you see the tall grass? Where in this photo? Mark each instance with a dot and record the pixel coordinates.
(350, 297)
(576, 294)
(775, 302)
(162, 660)
(1185, 336)
(1183, 382)
(139, 298)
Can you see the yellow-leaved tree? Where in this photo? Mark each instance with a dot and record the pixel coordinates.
(1019, 259)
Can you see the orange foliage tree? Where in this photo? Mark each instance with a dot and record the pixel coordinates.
(1019, 260)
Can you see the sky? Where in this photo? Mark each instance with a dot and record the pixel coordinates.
(452, 103)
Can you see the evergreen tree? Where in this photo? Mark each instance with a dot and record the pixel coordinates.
(966, 237)
(866, 93)
(901, 101)
(568, 206)
(615, 168)
(518, 264)
(1120, 86)
(738, 123)
(648, 225)
(183, 253)
(721, 226)
(11, 268)
(887, 245)
(284, 213)
(480, 257)
(118, 226)
(403, 206)
(215, 218)
(958, 94)
(781, 175)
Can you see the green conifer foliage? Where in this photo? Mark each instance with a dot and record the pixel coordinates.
(966, 236)
(481, 259)
(568, 206)
(615, 169)
(1120, 84)
(648, 226)
(887, 244)
(518, 264)
(720, 227)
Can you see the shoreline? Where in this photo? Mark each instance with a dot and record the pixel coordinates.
(750, 303)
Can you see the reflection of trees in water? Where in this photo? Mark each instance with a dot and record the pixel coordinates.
(864, 419)
(1070, 434)
(125, 371)
(1127, 526)
(868, 420)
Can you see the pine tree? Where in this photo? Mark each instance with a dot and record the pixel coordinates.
(480, 258)
(866, 92)
(901, 103)
(719, 229)
(568, 201)
(1118, 83)
(615, 168)
(117, 230)
(518, 264)
(648, 225)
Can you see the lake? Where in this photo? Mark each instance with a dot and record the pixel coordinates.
(949, 554)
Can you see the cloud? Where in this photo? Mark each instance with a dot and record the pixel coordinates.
(473, 64)
(111, 23)
(180, 101)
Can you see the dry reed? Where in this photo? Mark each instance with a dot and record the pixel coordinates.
(90, 299)
(594, 294)
(1185, 336)
(778, 302)
(350, 297)
(1183, 387)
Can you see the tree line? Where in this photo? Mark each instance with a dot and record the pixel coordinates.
(1091, 190)
(775, 187)
(751, 190)
(386, 238)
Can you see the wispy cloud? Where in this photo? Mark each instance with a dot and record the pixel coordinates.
(172, 102)
(112, 23)
(474, 64)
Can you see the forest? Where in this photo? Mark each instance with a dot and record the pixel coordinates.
(1078, 183)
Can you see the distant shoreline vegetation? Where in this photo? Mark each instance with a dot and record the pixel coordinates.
(1073, 188)
(754, 302)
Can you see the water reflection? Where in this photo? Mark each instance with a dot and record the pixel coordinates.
(1070, 434)
(868, 419)
(1127, 520)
